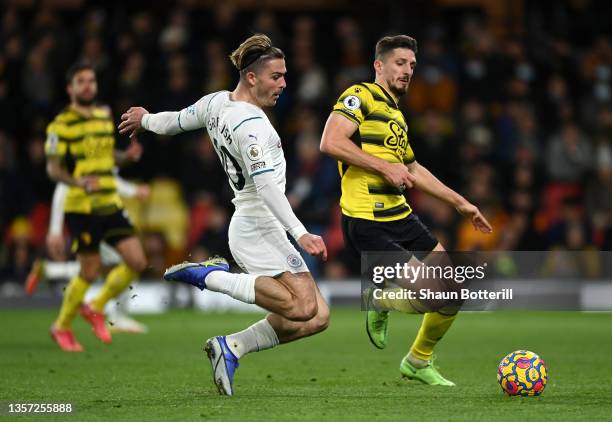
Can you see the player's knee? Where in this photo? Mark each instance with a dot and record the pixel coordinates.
(321, 321)
(433, 305)
(89, 274)
(132, 253)
(299, 315)
(451, 307)
(310, 311)
(137, 263)
(309, 308)
(301, 310)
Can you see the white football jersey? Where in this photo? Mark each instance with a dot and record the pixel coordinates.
(247, 145)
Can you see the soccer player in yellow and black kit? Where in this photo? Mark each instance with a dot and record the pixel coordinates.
(81, 153)
(367, 133)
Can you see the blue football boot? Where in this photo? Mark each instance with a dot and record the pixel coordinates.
(224, 364)
(195, 273)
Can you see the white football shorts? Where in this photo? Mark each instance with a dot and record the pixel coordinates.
(260, 246)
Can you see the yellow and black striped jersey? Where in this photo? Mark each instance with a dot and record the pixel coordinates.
(86, 144)
(382, 132)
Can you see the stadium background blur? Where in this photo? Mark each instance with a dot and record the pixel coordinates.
(511, 105)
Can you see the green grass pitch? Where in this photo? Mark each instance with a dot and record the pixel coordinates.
(336, 375)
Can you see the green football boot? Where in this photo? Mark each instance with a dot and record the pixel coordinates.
(428, 375)
(377, 322)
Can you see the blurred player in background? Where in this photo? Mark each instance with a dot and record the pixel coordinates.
(251, 153)
(81, 153)
(58, 268)
(367, 134)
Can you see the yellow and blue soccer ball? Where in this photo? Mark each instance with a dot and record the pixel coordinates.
(522, 373)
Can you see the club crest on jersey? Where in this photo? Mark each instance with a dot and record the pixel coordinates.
(352, 102)
(294, 261)
(254, 152)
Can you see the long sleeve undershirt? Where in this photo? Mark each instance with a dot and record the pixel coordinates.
(278, 204)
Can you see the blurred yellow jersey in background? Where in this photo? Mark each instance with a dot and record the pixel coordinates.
(86, 144)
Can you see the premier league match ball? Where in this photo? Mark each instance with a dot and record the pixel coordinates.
(522, 373)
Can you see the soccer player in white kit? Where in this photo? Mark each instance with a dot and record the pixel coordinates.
(251, 153)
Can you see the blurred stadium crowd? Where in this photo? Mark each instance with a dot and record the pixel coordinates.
(515, 115)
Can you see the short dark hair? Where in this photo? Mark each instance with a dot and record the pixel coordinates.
(388, 43)
(76, 68)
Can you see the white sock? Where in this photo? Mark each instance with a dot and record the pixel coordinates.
(259, 336)
(238, 286)
(65, 270)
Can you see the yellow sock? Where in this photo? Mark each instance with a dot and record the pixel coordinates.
(433, 328)
(401, 305)
(116, 281)
(73, 297)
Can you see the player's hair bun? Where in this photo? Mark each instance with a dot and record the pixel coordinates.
(252, 50)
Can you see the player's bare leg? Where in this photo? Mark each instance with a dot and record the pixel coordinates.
(119, 319)
(224, 351)
(296, 306)
(132, 253)
(61, 331)
(418, 363)
(285, 329)
(117, 280)
(288, 330)
(291, 296)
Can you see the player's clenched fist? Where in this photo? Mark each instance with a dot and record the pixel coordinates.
(313, 245)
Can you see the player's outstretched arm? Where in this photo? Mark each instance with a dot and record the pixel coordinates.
(430, 184)
(279, 205)
(336, 142)
(136, 119)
